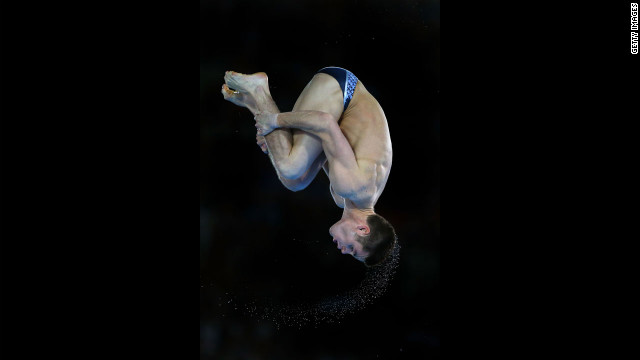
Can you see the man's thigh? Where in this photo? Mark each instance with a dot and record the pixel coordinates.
(322, 93)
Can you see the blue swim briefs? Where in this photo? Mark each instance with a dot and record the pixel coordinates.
(346, 79)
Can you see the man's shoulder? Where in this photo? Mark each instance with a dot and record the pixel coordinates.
(368, 168)
(362, 182)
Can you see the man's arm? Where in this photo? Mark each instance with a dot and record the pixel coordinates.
(339, 200)
(345, 174)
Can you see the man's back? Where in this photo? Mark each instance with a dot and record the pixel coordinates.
(365, 127)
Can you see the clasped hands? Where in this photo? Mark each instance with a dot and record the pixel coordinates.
(266, 122)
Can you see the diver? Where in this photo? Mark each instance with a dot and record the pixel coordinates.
(337, 125)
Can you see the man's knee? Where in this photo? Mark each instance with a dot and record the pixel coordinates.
(291, 169)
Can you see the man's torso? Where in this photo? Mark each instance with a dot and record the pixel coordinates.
(364, 124)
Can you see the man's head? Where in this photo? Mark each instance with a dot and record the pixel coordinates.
(369, 239)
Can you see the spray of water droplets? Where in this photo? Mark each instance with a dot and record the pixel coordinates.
(330, 309)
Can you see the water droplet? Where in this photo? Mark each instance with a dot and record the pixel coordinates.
(332, 309)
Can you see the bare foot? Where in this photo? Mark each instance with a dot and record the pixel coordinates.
(239, 89)
(246, 83)
(239, 98)
(244, 100)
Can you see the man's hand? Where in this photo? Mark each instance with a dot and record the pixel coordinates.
(266, 123)
(262, 143)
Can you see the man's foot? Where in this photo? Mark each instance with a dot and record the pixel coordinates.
(239, 89)
(246, 83)
(239, 98)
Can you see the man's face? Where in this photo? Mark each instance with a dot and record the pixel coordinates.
(344, 234)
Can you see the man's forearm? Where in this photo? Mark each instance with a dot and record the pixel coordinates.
(314, 122)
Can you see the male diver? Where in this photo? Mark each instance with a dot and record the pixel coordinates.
(337, 125)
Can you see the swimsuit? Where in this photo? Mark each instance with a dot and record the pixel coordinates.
(346, 79)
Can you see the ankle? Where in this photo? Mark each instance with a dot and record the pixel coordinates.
(261, 92)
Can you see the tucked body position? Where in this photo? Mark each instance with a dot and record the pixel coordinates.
(336, 125)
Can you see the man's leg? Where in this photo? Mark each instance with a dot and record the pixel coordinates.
(296, 160)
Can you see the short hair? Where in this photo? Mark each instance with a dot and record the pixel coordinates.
(380, 240)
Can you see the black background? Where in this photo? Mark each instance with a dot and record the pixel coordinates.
(99, 151)
(266, 242)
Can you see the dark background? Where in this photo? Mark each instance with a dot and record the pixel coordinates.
(99, 199)
(260, 241)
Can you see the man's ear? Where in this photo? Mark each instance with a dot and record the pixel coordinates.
(363, 230)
